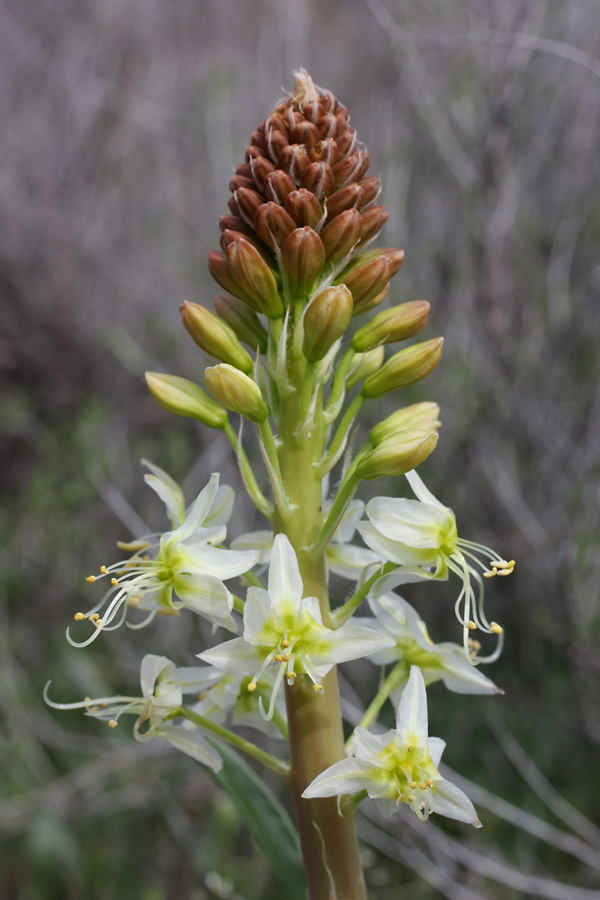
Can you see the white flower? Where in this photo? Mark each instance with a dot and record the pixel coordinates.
(341, 556)
(228, 696)
(399, 766)
(181, 568)
(420, 536)
(284, 628)
(446, 661)
(163, 686)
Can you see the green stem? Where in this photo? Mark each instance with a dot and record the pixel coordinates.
(238, 604)
(234, 740)
(397, 676)
(250, 483)
(338, 507)
(252, 579)
(343, 613)
(341, 436)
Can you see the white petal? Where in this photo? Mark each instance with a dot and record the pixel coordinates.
(234, 656)
(348, 560)
(255, 540)
(223, 564)
(436, 748)
(420, 491)
(285, 583)
(191, 743)
(393, 551)
(222, 506)
(461, 677)
(193, 679)
(150, 669)
(366, 746)
(204, 594)
(345, 530)
(410, 521)
(449, 800)
(168, 490)
(345, 777)
(391, 610)
(198, 511)
(397, 577)
(411, 723)
(256, 612)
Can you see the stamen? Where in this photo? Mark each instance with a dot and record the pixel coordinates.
(113, 723)
(497, 629)
(470, 625)
(411, 798)
(422, 786)
(79, 616)
(252, 686)
(430, 783)
(91, 579)
(413, 785)
(114, 582)
(318, 688)
(104, 570)
(285, 644)
(279, 658)
(132, 546)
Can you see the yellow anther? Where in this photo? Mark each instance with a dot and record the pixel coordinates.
(399, 799)
(411, 798)
(430, 783)
(97, 622)
(90, 579)
(103, 705)
(104, 570)
(318, 688)
(135, 599)
(470, 625)
(94, 708)
(79, 616)
(114, 582)
(413, 785)
(279, 658)
(506, 571)
(422, 804)
(87, 699)
(285, 644)
(422, 785)
(94, 616)
(497, 629)
(113, 723)
(251, 687)
(491, 574)
(291, 675)
(286, 657)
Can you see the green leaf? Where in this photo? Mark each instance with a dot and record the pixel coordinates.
(267, 820)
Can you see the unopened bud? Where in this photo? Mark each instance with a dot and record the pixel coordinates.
(259, 169)
(397, 454)
(318, 178)
(294, 160)
(347, 197)
(328, 126)
(373, 221)
(346, 142)
(341, 235)
(325, 320)
(277, 186)
(305, 133)
(417, 417)
(273, 224)
(303, 257)
(275, 143)
(304, 208)
(236, 392)
(234, 223)
(368, 280)
(220, 271)
(255, 277)
(184, 398)
(405, 367)
(325, 151)
(248, 202)
(243, 320)
(214, 336)
(370, 302)
(365, 364)
(395, 324)
(371, 188)
(351, 169)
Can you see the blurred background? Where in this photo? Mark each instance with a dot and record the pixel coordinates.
(122, 121)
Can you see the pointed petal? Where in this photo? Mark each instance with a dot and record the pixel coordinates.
(234, 656)
(449, 800)
(345, 777)
(198, 511)
(420, 491)
(436, 748)
(391, 613)
(190, 743)
(221, 507)
(255, 540)
(348, 560)
(394, 551)
(410, 522)
(196, 678)
(411, 723)
(349, 642)
(366, 746)
(345, 530)
(151, 668)
(204, 594)
(285, 583)
(223, 564)
(168, 490)
(461, 677)
(256, 612)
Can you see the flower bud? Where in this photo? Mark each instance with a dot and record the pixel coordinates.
(371, 303)
(236, 391)
(214, 336)
(248, 202)
(275, 142)
(397, 454)
(273, 224)
(328, 126)
(368, 280)
(395, 324)
(341, 234)
(418, 416)
(243, 320)
(346, 142)
(304, 208)
(325, 151)
(326, 318)
(305, 133)
(240, 181)
(364, 365)
(371, 188)
(318, 178)
(255, 277)
(220, 271)
(277, 186)
(184, 398)
(347, 197)
(259, 169)
(405, 367)
(303, 257)
(351, 169)
(234, 223)
(294, 160)
(373, 221)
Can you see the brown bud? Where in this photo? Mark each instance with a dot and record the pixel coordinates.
(273, 224)
(259, 169)
(325, 151)
(328, 126)
(318, 178)
(304, 208)
(248, 202)
(303, 257)
(253, 152)
(326, 318)
(409, 365)
(214, 336)
(234, 223)
(366, 305)
(394, 324)
(351, 169)
(243, 320)
(346, 141)
(305, 133)
(341, 235)
(277, 186)
(371, 188)
(276, 123)
(346, 198)
(220, 271)
(257, 139)
(243, 169)
(294, 160)
(368, 280)
(373, 221)
(239, 181)
(234, 207)
(229, 236)
(276, 141)
(255, 277)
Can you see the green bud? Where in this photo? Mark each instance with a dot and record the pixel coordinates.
(397, 454)
(394, 324)
(184, 398)
(405, 367)
(418, 417)
(214, 336)
(326, 318)
(364, 365)
(236, 391)
(255, 277)
(243, 320)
